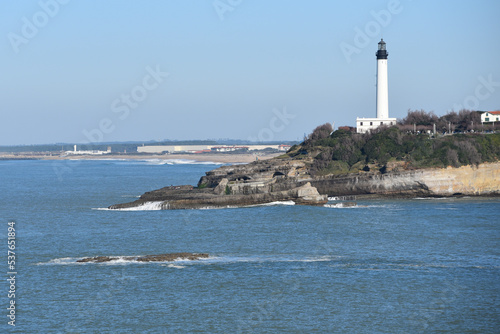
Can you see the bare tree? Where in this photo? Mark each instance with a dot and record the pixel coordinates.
(321, 132)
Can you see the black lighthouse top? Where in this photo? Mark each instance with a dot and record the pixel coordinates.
(382, 52)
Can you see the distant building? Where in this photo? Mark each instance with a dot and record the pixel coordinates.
(367, 124)
(490, 116)
(229, 148)
(161, 149)
(284, 148)
(88, 152)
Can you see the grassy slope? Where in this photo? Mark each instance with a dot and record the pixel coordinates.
(343, 152)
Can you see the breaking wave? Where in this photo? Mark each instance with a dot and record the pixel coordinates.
(177, 162)
(272, 204)
(148, 206)
(181, 263)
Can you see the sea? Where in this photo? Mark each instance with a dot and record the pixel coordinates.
(424, 265)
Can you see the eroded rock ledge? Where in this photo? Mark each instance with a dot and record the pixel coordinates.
(290, 180)
(236, 186)
(148, 258)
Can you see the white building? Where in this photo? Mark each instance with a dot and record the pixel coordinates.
(366, 124)
(160, 149)
(490, 116)
(93, 152)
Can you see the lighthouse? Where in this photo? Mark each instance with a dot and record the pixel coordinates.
(382, 85)
(367, 124)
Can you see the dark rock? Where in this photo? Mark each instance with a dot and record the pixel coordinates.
(97, 259)
(148, 258)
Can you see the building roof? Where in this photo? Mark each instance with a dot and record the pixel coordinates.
(495, 112)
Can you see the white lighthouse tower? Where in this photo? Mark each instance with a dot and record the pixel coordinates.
(382, 85)
(366, 124)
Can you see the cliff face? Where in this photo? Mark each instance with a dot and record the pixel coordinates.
(290, 180)
(467, 180)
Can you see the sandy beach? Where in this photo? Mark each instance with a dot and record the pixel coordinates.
(217, 157)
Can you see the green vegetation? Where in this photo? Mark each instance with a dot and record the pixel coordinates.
(343, 151)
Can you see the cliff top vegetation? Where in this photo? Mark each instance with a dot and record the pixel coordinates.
(399, 147)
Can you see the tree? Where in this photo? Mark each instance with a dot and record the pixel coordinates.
(419, 117)
(320, 132)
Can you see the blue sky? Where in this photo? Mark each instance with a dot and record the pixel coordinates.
(93, 70)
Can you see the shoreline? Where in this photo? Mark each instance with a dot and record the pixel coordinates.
(216, 157)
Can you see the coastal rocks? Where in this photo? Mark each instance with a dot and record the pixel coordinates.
(208, 199)
(236, 186)
(221, 187)
(170, 257)
(483, 180)
(280, 180)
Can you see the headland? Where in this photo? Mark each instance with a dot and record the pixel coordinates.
(386, 163)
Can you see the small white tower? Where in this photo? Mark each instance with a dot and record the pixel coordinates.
(367, 124)
(382, 85)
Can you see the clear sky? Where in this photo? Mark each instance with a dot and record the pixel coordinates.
(119, 70)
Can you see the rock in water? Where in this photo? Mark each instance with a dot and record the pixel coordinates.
(148, 258)
(97, 259)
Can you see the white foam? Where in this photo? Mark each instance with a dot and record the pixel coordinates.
(340, 206)
(272, 204)
(147, 206)
(266, 259)
(120, 260)
(60, 261)
(209, 207)
(178, 162)
(432, 198)
(174, 266)
(277, 203)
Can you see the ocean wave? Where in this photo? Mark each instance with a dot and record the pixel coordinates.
(432, 198)
(335, 261)
(181, 262)
(272, 204)
(177, 162)
(269, 259)
(340, 206)
(147, 206)
(277, 203)
(155, 206)
(117, 260)
(343, 206)
(176, 266)
(156, 161)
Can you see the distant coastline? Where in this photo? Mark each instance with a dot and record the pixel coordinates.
(205, 157)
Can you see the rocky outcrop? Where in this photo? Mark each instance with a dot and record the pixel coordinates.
(240, 185)
(482, 180)
(290, 180)
(148, 258)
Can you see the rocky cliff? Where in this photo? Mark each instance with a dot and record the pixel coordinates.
(483, 180)
(290, 180)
